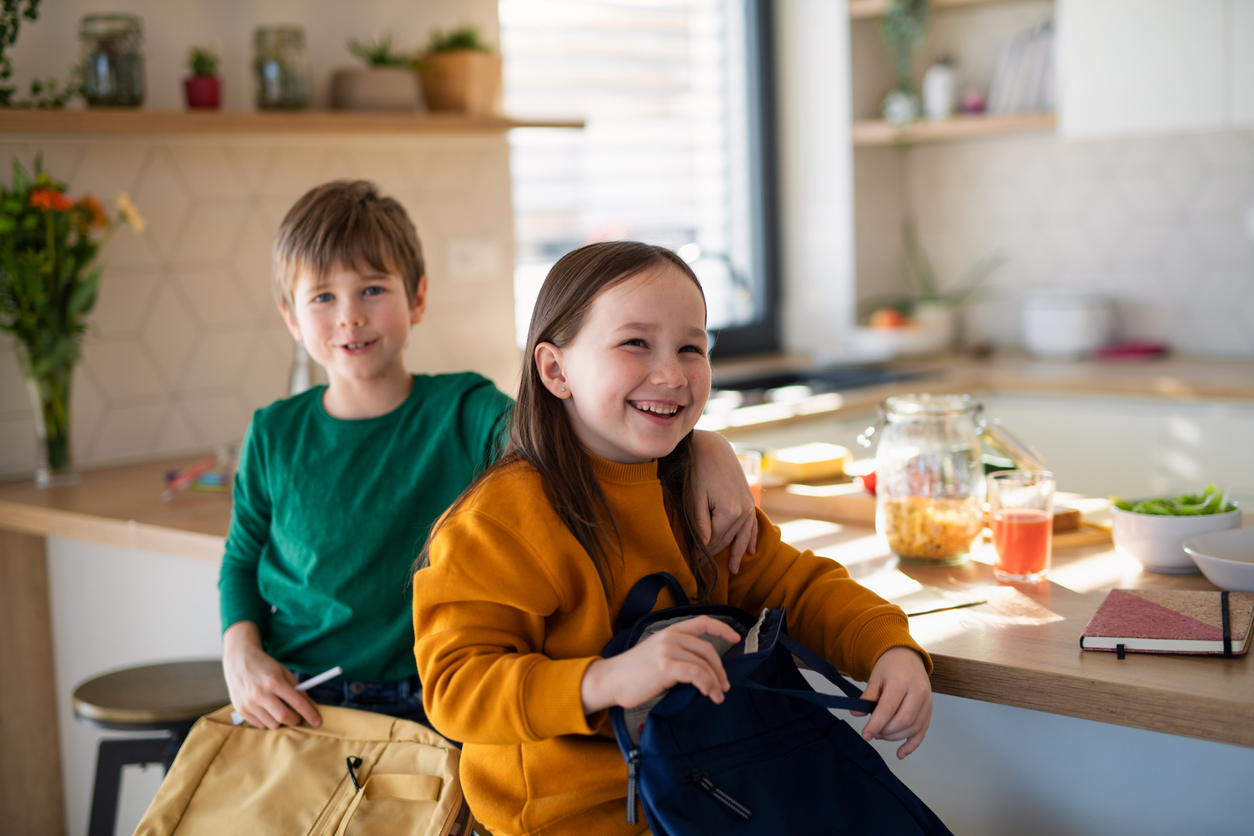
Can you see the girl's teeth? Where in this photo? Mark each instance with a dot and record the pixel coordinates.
(658, 410)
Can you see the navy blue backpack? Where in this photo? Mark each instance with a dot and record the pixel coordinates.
(771, 759)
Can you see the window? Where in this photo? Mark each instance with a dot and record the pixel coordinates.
(677, 150)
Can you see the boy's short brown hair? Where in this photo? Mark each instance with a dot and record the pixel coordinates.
(347, 223)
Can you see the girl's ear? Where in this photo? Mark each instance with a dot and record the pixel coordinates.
(548, 360)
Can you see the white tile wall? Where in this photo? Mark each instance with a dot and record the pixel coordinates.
(186, 341)
(1154, 223)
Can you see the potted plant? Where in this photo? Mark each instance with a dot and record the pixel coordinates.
(902, 28)
(387, 82)
(204, 88)
(923, 321)
(461, 73)
(48, 285)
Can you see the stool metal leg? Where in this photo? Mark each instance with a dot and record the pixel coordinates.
(113, 755)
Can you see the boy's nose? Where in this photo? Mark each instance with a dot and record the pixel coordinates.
(350, 314)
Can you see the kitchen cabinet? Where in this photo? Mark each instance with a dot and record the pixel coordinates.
(1129, 67)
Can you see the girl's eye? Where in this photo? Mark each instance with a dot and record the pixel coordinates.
(695, 349)
(323, 297)
(639, 343)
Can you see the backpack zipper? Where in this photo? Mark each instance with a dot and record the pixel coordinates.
(703, 781)
(633, 765)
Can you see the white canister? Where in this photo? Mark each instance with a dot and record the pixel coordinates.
(1065, 325)
(939, 89)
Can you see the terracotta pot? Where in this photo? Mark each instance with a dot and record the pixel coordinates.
(376, 88)
(204, 92)
(462, 81)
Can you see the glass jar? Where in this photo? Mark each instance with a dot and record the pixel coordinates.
(112, 60)
(929, 470)
(282, 65)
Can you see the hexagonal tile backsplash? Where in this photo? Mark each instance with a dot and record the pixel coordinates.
(186, 341)
(1157, 224)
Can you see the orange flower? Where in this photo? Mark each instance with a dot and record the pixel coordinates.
(50, 200)
(96, 212)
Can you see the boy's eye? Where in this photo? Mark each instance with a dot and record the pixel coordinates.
(323, 297)
(373, 290)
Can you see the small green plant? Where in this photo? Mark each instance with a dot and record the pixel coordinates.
(378, 53)
(203, 60)
(921, 277)
(46, 93)
(464, 37)
(902, 27)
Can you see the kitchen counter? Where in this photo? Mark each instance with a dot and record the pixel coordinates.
(1173, 378)
(1020, 650)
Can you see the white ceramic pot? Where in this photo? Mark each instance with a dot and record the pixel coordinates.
(939, 89)
(377, 88)
(1064, 325)
(1157, 542)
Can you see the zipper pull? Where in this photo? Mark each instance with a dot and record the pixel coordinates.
(633, 765)
(703, 781)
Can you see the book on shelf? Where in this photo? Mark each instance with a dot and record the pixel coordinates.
(1023, 81)
(1171, 621)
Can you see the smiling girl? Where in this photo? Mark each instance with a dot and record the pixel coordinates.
(527, 571)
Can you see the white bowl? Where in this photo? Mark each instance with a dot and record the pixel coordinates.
(1158, 542)
(1225, 557)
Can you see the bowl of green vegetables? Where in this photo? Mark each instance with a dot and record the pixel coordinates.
(1153, 531)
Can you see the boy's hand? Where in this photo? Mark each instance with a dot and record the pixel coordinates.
(261, 689)
(722, 502)
(899, 682)
(669, 657)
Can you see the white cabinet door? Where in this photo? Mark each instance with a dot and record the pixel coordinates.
(1131, 67)
(1241, 72)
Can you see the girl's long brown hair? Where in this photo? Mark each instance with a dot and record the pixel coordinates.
(541, 435)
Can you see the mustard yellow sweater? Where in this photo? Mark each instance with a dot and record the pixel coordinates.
(511, 612)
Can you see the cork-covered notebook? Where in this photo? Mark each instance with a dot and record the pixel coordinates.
(1171, 621)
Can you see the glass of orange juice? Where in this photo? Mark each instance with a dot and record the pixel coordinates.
(751, 464)
(1021, 507)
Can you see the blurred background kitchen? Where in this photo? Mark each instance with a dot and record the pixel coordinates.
(1048, 204)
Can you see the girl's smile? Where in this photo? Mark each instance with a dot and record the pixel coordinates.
(635, 378)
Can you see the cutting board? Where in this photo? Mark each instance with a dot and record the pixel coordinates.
(847, 503)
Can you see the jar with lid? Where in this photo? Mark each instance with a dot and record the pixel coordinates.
(282, 66)
(929, 468)
(112, 60)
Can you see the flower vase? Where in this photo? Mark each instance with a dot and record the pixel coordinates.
(48, 386)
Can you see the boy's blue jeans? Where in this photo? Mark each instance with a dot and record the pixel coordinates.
(401, 699)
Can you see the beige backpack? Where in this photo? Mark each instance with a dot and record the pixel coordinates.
(358, 774)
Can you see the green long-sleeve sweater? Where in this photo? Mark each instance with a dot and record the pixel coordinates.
(329, 515)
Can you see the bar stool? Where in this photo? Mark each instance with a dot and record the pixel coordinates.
(167, 697)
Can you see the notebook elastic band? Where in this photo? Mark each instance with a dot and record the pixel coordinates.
(1227, 622)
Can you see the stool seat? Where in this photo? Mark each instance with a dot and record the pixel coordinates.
(168, 695)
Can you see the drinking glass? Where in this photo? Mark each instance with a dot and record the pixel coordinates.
(751, 464)
(1021, 505)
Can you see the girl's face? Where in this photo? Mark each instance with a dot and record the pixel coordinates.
(635, 379)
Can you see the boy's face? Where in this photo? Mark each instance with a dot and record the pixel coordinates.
(354, 324)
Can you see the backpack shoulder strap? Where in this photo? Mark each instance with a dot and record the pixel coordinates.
(640, 600)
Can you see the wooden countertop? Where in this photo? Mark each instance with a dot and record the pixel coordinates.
(1171, 378)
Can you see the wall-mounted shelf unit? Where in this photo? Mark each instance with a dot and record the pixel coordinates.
(862, 9)
(17, 121)
(871, 132)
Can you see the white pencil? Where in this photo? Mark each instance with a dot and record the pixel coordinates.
(311, 682)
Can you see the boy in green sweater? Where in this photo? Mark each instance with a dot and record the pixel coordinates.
(338, 487)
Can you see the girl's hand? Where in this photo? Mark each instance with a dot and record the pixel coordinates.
(899, 682)
(669, 657)
(261, 689)
(723, 503)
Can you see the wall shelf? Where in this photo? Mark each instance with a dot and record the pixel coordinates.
(16, 121)
(872, 132)
(863, 9)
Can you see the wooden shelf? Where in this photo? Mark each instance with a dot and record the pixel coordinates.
(869, 132)
(863, 9)
(17, 121)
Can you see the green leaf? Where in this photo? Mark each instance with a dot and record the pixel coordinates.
(84, 296)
